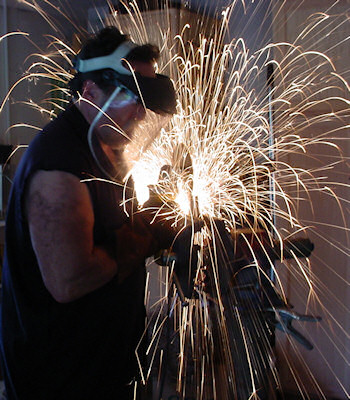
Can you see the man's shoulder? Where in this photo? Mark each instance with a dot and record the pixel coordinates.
(69, 125)
(59, 146)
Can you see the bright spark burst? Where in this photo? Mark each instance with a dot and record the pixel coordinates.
(238, 150)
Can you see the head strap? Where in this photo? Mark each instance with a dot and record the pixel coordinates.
(113, 60)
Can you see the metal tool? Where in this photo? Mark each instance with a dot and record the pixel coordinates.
(282, 318)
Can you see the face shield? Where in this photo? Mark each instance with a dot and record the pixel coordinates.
(132, 115)
(122, 130)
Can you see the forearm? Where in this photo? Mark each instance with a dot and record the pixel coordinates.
(61, 224)
(134, 243)
(77, 278)
(78, 273)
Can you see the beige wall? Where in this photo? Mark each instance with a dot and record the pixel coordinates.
(328, 363)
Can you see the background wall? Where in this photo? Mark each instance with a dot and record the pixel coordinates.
(330, 262)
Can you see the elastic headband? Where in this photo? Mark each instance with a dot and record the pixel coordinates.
(113, 60)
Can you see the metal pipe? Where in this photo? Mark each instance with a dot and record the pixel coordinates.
(5, 114)
(4, 85)
(270, 88)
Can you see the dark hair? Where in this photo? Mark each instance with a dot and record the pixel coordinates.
(102, 44)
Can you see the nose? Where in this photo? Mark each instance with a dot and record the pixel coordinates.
(140, 112)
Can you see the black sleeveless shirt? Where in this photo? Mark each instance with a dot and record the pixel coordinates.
(84, 349)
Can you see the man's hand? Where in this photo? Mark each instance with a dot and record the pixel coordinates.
(133, 243)
(158, 217)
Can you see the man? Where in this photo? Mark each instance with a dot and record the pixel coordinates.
(73, 276)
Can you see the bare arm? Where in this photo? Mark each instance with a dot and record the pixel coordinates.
(61, 219)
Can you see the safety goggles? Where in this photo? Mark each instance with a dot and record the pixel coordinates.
(124, 98)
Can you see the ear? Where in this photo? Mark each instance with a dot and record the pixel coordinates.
(90, 90)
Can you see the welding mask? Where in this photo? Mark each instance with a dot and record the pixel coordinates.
(134, 113)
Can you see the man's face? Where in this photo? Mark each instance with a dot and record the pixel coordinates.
(125, 112)
(122, 116)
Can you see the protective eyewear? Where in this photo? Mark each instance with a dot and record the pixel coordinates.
(124, 97)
